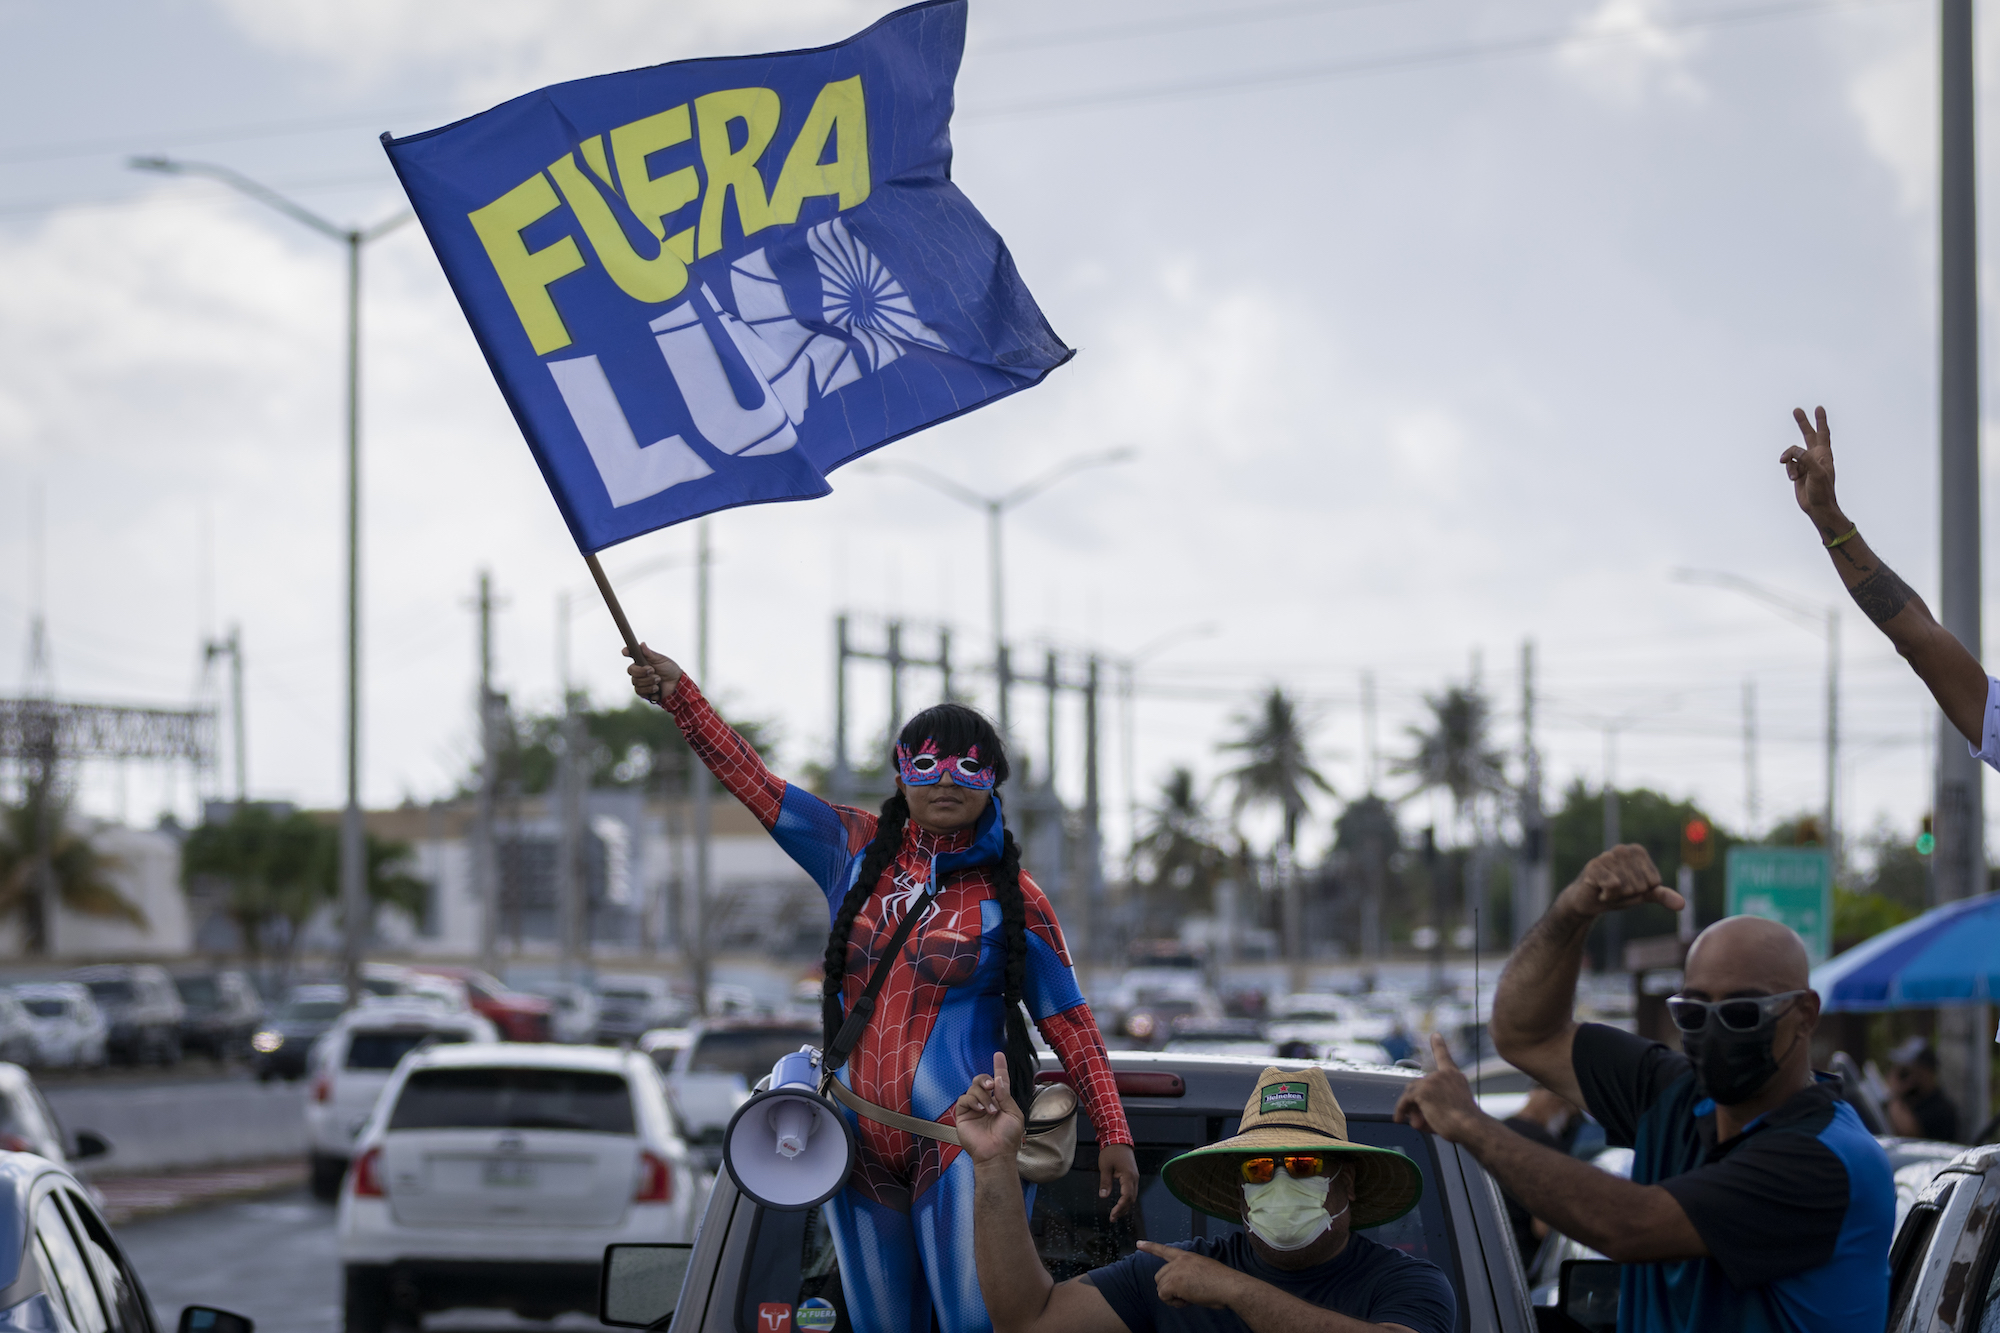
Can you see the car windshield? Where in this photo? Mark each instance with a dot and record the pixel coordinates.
(503, 1098)
(198, 992)
(112, 992)
(45, 1008)
(749, 1052)
(793, 1259)
(382, 1050)
(634, 996)
(313, 1011)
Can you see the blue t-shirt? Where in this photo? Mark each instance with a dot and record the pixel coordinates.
(1797, 1211)
(1365, 1280)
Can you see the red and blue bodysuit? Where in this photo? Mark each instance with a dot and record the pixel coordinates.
(903, 1226)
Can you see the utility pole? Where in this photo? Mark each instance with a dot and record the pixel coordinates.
(1370, 763)
(842, 778)
(1752, 811)
(1434, 874)
(996, 591)
(1531, 898)
(1821, 620)
(571, 890)
(1093, 862)
(485, 851)
(1610, 793)
(697, 901)
(1051, 837)
(1959, 865)
(1833, 738)
(893, 654)
(232, 648)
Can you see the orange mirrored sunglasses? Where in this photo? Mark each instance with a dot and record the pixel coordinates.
(1299, 1166)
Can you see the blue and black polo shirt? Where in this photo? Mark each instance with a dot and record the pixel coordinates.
(1797, 1211)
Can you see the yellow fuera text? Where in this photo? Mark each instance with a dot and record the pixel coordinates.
(611, 174)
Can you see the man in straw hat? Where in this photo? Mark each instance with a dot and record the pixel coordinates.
(1757, 1200)
(1292, 1177)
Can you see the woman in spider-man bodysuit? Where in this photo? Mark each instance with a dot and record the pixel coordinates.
(988, 943)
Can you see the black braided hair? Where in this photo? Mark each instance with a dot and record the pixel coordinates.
(956, 729)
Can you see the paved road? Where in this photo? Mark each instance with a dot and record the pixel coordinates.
(184, 1122)
(274, 1260)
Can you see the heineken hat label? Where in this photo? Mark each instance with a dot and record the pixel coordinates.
(1283, 1097)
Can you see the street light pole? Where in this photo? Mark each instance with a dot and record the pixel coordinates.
(1959, 864)
(995, 507)
(353, 844)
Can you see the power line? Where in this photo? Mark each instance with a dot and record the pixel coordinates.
(318, 185)
(1187, 23)
(239, 133)
(1182, 90)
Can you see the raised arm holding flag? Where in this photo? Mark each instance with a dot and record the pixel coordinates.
(709, 284)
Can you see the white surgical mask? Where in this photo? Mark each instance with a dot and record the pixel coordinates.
(1288, 1214)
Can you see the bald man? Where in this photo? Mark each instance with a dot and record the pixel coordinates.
(1757, 1200)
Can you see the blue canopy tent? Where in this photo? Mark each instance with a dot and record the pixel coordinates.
(1948, 956)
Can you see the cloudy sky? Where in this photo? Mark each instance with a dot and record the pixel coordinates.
(1436, 325)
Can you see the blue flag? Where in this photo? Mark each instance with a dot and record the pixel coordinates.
(711, 283)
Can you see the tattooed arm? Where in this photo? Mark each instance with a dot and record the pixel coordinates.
(1954, 677)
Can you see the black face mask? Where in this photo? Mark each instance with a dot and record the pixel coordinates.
(1730, 1066)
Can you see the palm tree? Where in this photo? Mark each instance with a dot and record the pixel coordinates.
(1455, 752)
(1277, 768)
(39, 844)
(1179, 847)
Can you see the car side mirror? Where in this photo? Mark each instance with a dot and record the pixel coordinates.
(208, 1319)
(640, 1287)
(1587, 1291)
(89, 1143)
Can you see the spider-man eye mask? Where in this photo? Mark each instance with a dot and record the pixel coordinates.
(926, 768)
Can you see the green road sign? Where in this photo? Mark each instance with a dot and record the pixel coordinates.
(1787, 884)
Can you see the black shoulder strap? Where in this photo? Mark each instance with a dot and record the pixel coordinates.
(850, 1032)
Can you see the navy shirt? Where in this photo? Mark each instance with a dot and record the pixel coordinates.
(1365, 1280)
(1797, 1211)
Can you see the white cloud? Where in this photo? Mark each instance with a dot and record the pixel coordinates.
(493, 49)
(1893, 93)
(1624, 54)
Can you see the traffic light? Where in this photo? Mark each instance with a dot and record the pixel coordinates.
(1697, 844)
(1926, 840)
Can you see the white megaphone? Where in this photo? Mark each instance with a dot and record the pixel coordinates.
(789, 1148)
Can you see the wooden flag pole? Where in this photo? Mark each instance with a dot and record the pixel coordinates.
(611, 603)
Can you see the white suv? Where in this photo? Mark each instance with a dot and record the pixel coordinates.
(353, 1062)
(493, 1176)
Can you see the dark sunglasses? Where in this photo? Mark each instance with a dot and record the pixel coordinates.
(1744, 1013)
